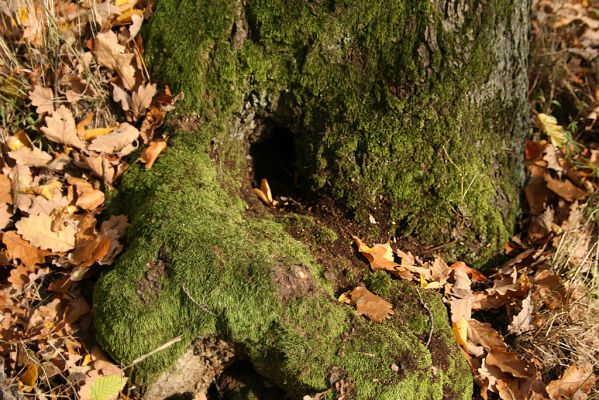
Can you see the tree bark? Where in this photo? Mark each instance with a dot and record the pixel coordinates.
(409, 111)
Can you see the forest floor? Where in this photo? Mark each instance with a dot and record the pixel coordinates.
(78, 107)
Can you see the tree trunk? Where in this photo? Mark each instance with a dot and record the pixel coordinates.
(410, 112)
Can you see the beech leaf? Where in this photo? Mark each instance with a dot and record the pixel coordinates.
(151, 153)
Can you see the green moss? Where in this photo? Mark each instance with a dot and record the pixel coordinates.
(379, 118)
(228, 279)
(379, 282)
(309, 230)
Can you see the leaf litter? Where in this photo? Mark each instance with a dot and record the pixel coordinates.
(67, 142)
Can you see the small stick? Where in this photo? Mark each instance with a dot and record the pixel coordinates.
(163, 347)
(430, 316)
(203, 306)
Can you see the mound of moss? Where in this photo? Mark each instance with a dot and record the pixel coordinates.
(196, 267)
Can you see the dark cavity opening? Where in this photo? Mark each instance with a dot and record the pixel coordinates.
(241, 381)
(274, 158)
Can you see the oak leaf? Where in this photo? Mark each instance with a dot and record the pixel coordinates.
(41, 97)
(576, 383)
(5, 215)
(372, 306)
(60, 128)
(5, 189)
(121, 97)
(31, 157)
(509, 363)
(17, 247)
(37, 229)
(119, 141)
(142, 98)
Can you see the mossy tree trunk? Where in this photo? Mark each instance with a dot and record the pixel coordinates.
(410, 110)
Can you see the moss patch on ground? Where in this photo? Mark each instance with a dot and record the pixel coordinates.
(195, 266)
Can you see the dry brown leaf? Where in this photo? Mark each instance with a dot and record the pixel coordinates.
(17, 247)
(380, 256)
(440, 270)
(142, 98)
(136, 22)
(508, 389)
(19, 276)
(483, 334)
(121, 97)
(5, 189)
(119, 141)
(41, 97)
(509, 363)
(41, 205)
(151, 153)
(31, 157)
(536, 193)
(21, 178)
(370, 305)
(5, 215)
(60, 128)
(474, 275)
(107, 49)
(576, 383)
(565, 189)
(90, 199)
(37, 229)
(522, 321)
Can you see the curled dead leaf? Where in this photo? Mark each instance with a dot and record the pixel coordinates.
(151, 153)
(372, 306)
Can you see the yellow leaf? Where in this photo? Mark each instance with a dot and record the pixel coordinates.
(344, 298)
(48, 191)
(90, 134)
(18, 140)
(460, 331)
(556, 132)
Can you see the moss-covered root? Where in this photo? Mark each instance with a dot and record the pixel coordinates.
(195, 267)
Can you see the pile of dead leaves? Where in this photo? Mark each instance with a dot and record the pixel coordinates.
(77, 102)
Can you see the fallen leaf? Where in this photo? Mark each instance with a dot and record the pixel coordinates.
(17, 247)
(121, 97)
(151, 153)
(102, 387)
(522, 321)
(37, 229)
(5, 215)
(42, 98)
(120, 141)
(5, 189)
(380, 256)
(565, 189)
(90, 134)
(264, 193)
(29, 376)
(474, 275)
(136, 22)
(112, 55)
(31, 157)
(509, 363)
(370, 305)
(508, 389)
(142, 98)
(575, 383)
(90, 199)
(60, 128)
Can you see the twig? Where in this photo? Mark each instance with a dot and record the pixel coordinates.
(203, 306)
(430, 317)
(163, 347)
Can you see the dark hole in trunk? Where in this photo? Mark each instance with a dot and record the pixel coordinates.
(274, 158)
(240, 381)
